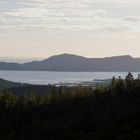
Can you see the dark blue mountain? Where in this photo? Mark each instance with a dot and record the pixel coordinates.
(70, 62)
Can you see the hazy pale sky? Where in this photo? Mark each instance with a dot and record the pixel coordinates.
(92, 28)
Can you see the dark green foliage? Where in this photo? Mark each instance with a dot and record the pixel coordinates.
(129, 77)
(76, 113)
(129, 80)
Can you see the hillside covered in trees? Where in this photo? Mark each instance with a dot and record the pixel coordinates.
(79, 113)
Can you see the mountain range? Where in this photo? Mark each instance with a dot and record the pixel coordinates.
(70, 62)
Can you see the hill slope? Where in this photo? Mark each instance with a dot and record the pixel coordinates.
(4, 84)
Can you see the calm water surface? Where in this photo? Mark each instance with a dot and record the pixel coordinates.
(40, 77)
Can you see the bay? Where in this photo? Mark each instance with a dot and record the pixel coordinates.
(47, 77)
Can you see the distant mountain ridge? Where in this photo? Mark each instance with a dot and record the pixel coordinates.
(70, 62)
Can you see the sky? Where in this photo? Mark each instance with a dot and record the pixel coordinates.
(91, 28)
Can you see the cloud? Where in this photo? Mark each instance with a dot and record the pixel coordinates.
(27, 13)
(132, 18)
(97, 17)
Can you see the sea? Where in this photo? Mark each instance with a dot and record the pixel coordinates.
(48, 77)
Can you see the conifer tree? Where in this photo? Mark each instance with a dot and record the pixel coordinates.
(129, 80)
